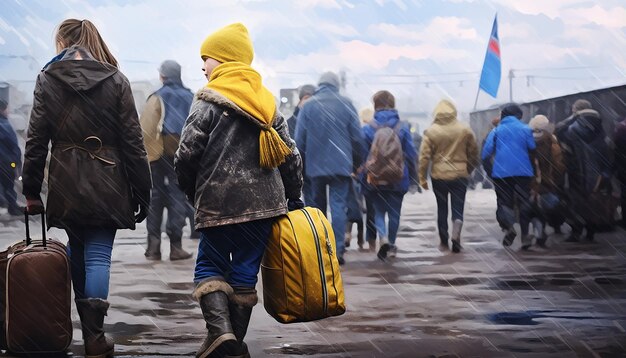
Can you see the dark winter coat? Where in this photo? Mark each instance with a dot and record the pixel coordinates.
(329, 135)
(550, 173)
(587, 153)
(292, 122)
(98, 164)
(390, 118)
(620, 151)
(218, 168)
(9, 149)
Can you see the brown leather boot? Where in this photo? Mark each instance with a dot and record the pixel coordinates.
(153, 252)
(92, 312)
(213, 297)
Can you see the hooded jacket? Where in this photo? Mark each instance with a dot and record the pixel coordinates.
(512, 142)
(449, 145)
(218, 167)
(98, 164)
(389, 118)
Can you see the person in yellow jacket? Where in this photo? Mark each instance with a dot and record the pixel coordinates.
(449, 148)
(238, 165)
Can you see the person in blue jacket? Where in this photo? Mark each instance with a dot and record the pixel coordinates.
(512, 145)
(387, 199)
(10, 161)
(330, 141)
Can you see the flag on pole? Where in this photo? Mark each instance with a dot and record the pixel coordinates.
(492, 68)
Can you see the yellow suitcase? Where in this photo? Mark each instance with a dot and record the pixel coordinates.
(301, 279)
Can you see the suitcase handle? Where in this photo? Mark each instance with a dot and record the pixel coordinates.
(43, 228)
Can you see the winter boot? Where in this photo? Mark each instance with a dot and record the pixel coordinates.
(443, 239)
(92, 312)
(240, 307)
(393, 251)
(213, 297)
(457, 226)
(177, 252)
(509, 236)
(371, 245)
(385, 246)
(153, 252)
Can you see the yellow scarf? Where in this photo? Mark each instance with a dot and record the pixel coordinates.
(241, 84)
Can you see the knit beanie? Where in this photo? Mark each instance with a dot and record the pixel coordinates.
(329, 78)
(305, 90)
(540, 125)
(229, 44)
(170, 69)
(511, 109)
(581, 104)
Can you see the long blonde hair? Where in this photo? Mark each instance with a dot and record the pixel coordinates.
(84, 34)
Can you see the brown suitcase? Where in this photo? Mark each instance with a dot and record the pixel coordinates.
(35, 302)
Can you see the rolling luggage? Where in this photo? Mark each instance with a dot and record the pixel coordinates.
(35, 302)
(301, 279)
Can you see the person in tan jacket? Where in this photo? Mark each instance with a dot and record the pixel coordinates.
(449, 149)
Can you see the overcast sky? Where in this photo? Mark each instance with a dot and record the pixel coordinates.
(422, 51)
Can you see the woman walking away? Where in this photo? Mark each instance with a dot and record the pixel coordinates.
(390, 169)
(238, 165)
(99, 178)
(451, 148)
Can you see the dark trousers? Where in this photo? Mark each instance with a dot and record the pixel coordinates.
(7, 182)
(456, 189)
(166, 194)
(623, 204)
(338, 192)
(512, 192)
(370, 216)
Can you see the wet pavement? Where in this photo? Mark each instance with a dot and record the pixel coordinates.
(568, 300)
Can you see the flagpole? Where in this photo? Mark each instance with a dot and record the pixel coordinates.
(476, 101)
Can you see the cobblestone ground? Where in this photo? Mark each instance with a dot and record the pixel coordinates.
(568, 300)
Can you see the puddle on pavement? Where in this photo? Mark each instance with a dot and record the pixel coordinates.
(527, 318)
(306, 349)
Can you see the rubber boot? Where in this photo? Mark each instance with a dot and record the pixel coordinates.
(92, 312)
(213, 297)
(153, 252)
(177, 252)
(457, 226)
(240, 307)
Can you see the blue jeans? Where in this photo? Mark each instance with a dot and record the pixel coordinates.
(166, 195)
(233, 252)
(390, 203)
(339, 190)
(89, 250)
(457, 190)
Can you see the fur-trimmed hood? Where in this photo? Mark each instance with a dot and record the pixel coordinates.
(212, 96)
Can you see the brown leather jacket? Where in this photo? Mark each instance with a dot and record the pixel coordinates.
(218, 165)
(98, 165)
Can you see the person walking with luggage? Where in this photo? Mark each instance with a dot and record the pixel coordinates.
(239, 166)
(451, 148)
(99, 177)
(390, 169)
(162, 122)
(330, 140)
(512, 145)
(10, 161)
(588, 165)
(547, 186)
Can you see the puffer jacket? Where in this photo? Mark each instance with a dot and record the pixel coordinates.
(98, 166)
(218, 168)
(449, 145)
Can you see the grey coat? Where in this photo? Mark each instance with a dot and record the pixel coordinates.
(217, 164)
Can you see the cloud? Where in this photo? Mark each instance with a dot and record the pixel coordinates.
(551, 8)
(612, 18)
(326, 4)
(439, 30)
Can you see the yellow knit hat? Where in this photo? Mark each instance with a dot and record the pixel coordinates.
(229, 44)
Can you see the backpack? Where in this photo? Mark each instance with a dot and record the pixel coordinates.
(385, 163)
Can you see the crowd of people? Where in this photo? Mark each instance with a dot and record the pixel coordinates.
(232, 156)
